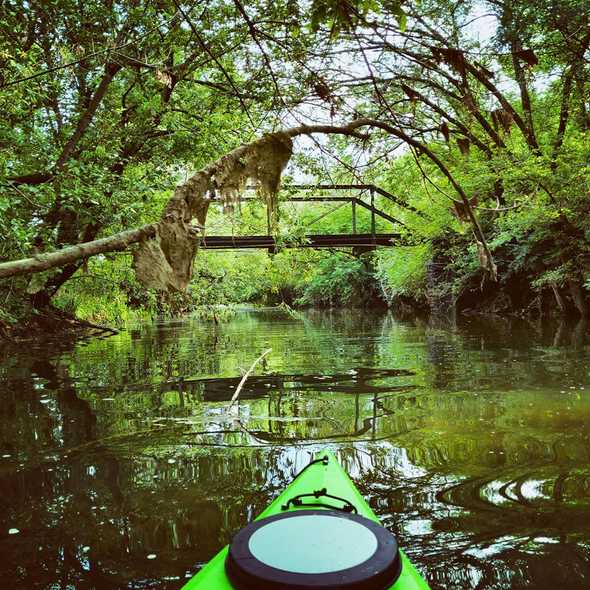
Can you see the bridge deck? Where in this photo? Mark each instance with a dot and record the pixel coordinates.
(309, 241)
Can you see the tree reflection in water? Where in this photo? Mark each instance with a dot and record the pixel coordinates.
(469, 441)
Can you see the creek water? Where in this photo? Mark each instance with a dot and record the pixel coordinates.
(121, 468)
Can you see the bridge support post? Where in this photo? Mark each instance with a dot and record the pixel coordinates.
(372, 192)
(353, 216)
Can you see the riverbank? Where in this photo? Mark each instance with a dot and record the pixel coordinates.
(439, 278)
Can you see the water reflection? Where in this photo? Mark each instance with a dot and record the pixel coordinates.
(470, 441)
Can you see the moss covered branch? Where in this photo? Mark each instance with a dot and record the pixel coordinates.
(164, 258)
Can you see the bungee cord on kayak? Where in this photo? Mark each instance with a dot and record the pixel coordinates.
(323, 493)
(323, 460)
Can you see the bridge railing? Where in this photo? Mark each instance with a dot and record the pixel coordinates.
(355, 201)
(358, 241)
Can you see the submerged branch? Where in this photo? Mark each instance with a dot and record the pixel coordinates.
(236, 394)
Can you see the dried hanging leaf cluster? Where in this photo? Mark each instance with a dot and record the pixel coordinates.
(165, 262)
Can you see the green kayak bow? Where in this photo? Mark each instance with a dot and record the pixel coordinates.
(319, 533)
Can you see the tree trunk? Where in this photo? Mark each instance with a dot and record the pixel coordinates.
(41, 262)
(577, 293)
(524, 93)
(558, 298)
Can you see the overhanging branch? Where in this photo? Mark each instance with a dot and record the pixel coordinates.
(180, 210)
(117, 242)
(122, 240)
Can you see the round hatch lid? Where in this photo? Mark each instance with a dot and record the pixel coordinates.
(320, 549)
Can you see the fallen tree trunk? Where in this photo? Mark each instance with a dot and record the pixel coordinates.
(164, 259)
(41, 262)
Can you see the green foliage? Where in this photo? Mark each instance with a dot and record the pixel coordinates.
(556, 276)
(340, 16)
(402, 271)
(230, 277)
(180, 92)
(107, 292)
(338, 280)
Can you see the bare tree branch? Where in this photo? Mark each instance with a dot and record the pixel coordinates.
(41, 262)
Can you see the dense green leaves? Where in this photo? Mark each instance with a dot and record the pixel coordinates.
(481, 134)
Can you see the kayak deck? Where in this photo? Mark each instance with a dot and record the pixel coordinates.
(316, 476)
